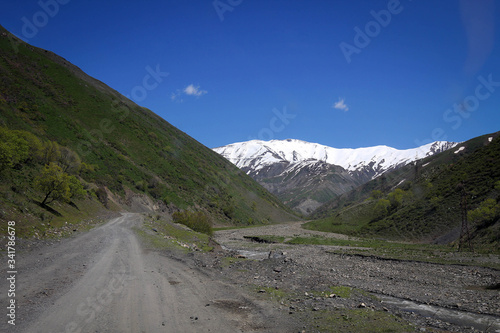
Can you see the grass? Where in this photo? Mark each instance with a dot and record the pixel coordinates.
(336, 319)
(342, 291)
(228, 261)
(440, 254)
(235, 227)
(430, 207)
(171, 236)
(360, 320)
(33, 221)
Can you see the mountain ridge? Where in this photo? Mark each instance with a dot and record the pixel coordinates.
(305, 175)
(293, 150)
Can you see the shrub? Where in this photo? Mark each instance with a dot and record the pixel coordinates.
(381, 208)
(487, 211)
(197, 221)
(102, 196)
(376, 194)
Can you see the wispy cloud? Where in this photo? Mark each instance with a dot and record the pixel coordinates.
(175, 96)
(340, 105)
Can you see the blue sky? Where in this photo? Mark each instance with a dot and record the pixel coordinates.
(340, 73)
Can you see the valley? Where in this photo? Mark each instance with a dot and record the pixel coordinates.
(132, 274)
(123, 222)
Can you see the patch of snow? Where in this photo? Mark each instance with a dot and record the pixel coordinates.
(490, 139)
(258, 154)
(459, 150)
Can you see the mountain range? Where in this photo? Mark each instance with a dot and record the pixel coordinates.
(73, 149)
(305, 175)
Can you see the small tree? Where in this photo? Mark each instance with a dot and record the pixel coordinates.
(381, 208)
(58, 185)
(14, 148)
(76, 188)
(69, 160)
(54, 183)
(51, 152)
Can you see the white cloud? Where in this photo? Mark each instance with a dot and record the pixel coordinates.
(340, 105)
(191, 90)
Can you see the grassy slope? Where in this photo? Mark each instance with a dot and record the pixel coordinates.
(434, 208)
(130, 146)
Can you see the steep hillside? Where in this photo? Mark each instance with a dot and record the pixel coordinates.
(423, 201)
(305, 175)
(129, 156)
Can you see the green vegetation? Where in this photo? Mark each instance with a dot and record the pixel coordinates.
(158, 233)
(340, 319)
(342, 291)
(425, 206)
(52, 112)
(370, 247)
(488, 211)
(58, 185)
(198, 221)
(361, 320)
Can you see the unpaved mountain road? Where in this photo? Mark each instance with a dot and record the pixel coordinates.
(104, 281)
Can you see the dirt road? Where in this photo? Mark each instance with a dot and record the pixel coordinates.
(104, 281)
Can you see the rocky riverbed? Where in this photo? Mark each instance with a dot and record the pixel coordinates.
(318, 282)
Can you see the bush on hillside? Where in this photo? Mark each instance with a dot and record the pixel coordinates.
(197, 221)
(55, 184)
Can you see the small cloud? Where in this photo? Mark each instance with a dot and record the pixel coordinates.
(340, 105)
(191, 90)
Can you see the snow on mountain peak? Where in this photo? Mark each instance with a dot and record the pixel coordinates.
(257, 154)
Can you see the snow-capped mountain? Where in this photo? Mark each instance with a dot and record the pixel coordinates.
(306, 174)
(255, 155)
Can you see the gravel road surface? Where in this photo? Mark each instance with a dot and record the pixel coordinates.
(105, 281)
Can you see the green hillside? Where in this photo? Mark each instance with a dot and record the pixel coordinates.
(123, 153)
(422, 202)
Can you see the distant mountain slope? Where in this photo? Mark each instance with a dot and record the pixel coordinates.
(305, 175)
(422, 201)
(130, 151)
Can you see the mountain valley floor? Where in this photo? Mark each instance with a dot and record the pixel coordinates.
(120, 277)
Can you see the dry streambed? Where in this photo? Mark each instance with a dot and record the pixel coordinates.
(430, 295)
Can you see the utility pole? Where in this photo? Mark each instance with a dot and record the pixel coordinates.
(417, 166)
(464, 231)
